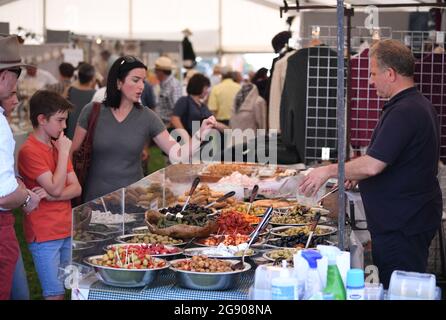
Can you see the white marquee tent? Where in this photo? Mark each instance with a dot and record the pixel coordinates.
(228, 25)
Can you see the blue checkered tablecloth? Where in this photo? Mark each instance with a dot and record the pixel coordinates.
(164, 288)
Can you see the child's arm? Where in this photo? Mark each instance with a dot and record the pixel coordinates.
(72, 190)
(55, 183)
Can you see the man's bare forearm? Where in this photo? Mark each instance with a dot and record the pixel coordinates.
(14, 199)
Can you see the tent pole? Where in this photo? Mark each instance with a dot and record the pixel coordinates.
(220, 31)
(341, 125)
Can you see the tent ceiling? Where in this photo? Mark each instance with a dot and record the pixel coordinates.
(240, 26)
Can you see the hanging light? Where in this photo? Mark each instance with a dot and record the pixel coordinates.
(98, 40)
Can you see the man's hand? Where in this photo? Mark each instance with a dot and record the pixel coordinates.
(314, 180)
(33, 203)
(63, 144)
(350, 184)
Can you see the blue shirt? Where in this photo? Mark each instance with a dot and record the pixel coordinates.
(148, 97)
(406, 196)
(188, 110)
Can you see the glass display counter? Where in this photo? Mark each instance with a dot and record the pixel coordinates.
(119, 217)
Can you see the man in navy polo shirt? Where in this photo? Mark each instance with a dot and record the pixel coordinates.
(398, 175)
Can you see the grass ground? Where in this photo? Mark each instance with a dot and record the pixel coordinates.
(156, 162)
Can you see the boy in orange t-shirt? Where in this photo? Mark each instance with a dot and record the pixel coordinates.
(46, 169)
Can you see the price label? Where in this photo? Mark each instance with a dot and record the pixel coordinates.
(325, 153)
(440, 38)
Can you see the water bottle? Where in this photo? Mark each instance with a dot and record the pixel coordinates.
(355, 284)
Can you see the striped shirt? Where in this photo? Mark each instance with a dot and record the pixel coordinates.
(170, 92)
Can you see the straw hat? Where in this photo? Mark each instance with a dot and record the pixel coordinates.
(164, 63)
(9, 53)
(187, 32)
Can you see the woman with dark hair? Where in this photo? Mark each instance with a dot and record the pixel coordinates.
(191, 108)
(122, 129)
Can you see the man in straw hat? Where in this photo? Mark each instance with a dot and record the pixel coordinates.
(170, 88)
(13, 193)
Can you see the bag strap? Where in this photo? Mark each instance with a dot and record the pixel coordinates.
(92, 120)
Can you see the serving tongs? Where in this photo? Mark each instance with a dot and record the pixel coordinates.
(222, 198)
(265, 219)
(313, 226)
(191, 191)
(319, 203)
(252, 197)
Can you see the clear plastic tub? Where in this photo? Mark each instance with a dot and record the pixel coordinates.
(373, 291)
(412, 286)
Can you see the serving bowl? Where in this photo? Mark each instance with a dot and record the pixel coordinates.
(81, 249)
(321, 230)
(213, 252)
(208, 280)
(127, 278)
(147, 238)
(173, 250)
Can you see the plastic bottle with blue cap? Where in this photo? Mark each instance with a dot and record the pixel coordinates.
(284, 287)
(313, 283)
(355, 284)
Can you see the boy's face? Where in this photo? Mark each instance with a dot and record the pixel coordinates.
(55, 124)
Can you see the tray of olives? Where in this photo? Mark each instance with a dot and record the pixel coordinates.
(285, 231)
(149, 238)
(294, 220)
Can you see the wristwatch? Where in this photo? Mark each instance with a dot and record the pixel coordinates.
(27, 200)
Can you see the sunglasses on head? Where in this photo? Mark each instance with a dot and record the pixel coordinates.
(128, 59)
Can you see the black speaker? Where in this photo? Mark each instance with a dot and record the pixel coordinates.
(57, 36)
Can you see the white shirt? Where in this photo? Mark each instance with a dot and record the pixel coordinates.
(28, 85)
(99, 95)
(8, 182)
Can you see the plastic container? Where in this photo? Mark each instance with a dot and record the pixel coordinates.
(355, 284)
(411, 286)
(313, 283)
(285, 286)
(373, 291)
(335, 285)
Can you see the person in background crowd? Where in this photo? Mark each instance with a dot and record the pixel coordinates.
(170, 89)
(191, 107)
(216, 75)
(108, 59)
(260, 80)
(80, 94)
(237, 77)
(186, 79)
(249, 111)
(398, 175)
(188, 50)
(13, 193)
(66, 72)
(35, 79)
(122, 129)
(148, 96)
(46, 168)
(221, 98)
